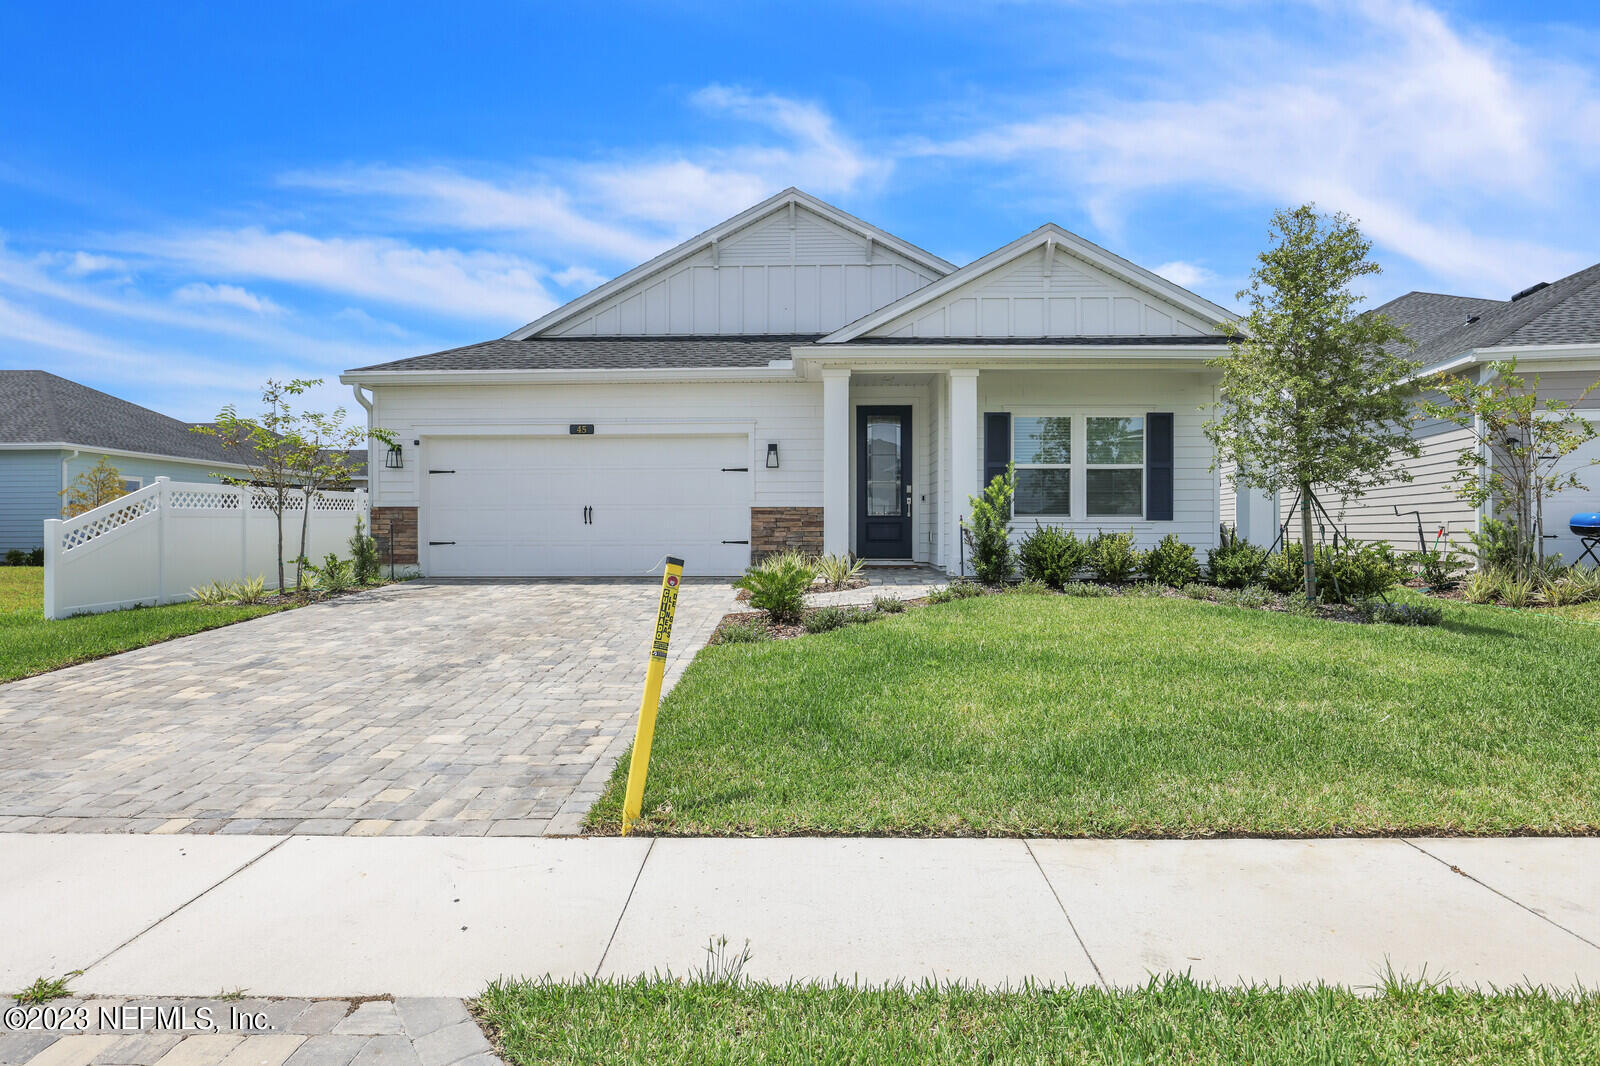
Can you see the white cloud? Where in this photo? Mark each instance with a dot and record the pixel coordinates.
(1428, 135)
(480, 285)
(1188, 275)
(82, 264)
(199, 292)
(578, 277)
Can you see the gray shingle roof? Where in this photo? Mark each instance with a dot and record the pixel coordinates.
(683, 353)
(1564, 312)
(37, 407)
(607, 353)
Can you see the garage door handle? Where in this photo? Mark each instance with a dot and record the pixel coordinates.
(441, 471)
(736, 542)
(736, 470)
(434, 543)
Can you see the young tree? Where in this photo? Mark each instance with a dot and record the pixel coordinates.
(1520, 447)
(1312, 394)
(270, 446)
(98, 485)
(324, 463)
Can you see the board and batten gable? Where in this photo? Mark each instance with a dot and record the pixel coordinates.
(792, 271)
(1045, 292)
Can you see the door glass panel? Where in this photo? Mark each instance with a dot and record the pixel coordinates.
(885, 490)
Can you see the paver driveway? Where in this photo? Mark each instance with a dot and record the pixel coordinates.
(425, 708)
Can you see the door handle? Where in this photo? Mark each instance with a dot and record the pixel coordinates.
(908, 499)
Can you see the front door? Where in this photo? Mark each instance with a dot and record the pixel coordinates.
(883, 485)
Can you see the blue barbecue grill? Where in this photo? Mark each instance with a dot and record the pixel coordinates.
(1587, 529)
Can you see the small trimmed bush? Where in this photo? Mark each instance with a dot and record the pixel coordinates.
(825, 619)
(988, 533)
(1030, 587)
(1344, 575)
(1172, 563)
(888, 605)
(1114, 559)
(1051, 555)
(778, 585)
(1401, 614)
(1085, 590)
(365, 564)
(837, 571)
(1235, 562)
(1440, 570)
(1483, 586)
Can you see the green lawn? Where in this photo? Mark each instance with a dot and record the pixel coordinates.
(31, 645)
(1132, 716)
(1173, 1021)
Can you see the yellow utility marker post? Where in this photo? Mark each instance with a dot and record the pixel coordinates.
(639, 765)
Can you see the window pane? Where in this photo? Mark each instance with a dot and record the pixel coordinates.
(1115, 492)
(884, 487)
(1043, 440)
(1116, 441)
(1044, 492)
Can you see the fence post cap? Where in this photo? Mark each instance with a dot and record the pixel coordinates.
(163, 479)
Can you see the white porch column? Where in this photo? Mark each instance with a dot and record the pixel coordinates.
(835, 461)
(964, 458)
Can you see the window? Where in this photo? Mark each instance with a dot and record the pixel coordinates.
(1042, 449)
(1114, 467)
(132, 484)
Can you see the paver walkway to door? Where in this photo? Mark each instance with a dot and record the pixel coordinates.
(421, 709)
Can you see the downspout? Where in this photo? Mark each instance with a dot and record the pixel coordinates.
(65, 484)
(372, 478)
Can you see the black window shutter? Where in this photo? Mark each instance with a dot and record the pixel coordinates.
(1158, 466)
(996, 444)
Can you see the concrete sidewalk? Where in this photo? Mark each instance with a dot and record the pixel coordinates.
(326, 916)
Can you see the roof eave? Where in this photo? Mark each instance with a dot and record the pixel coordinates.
(776, 370)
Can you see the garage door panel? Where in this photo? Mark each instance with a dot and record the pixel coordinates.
(1560, 509)
(515, 506)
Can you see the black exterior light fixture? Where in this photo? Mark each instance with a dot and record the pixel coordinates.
(394, 460)
(772, 455)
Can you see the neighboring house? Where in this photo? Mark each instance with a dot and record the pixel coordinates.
(52, 430)
(1553, 331)
(795, 377)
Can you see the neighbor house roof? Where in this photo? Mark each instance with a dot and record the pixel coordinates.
(37, 407)
(606, 353)
(1563, 312)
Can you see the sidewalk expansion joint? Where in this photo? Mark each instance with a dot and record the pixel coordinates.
(623, 913)
(1070, 923)
(1453, 868)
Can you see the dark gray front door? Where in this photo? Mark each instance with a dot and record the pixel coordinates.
(883, 483)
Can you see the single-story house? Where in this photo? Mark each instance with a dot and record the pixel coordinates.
(1553, 332)
(53, 429)
(796, 377)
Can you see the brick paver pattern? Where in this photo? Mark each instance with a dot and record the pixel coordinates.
(276, 1032)
(427, 708)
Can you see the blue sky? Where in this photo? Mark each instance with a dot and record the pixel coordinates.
(196, 197)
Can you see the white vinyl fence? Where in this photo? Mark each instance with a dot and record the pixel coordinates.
(156, 544)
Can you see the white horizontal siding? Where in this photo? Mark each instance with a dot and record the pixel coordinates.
(774, 276)
(1187, 394)
(788, 413)
(1030, 298)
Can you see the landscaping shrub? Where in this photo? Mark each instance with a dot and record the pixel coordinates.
(1283, 572)
(1440, 569)
(988, 534)
(753, 631)
(1084, 589)
(1344, 574)
(213, 595)
(837, 571)
(335, 574)
(1028, 586)
(956, 590)
(888, 605)
(1401, 614)
(1051, 555)
(1196, 591)
(1235, 562)
(778, 585)
(16, 557)
(1113, 557)
(824, 619)
(364, 562)
(1483, 586)
(1497, 546)
(1146, 589)
(1516, 593)
(1172, 563)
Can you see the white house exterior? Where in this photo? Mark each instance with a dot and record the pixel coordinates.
(795, 377)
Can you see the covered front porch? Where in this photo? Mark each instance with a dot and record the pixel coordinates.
(1098, 444)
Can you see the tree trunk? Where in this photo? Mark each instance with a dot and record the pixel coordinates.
(280, 545)
(1306, 545)
(300, 564)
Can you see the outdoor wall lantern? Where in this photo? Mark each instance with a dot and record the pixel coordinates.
(772, 455)
(393, 460)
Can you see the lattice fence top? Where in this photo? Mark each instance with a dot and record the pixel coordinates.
(203, 499)
(336, 503)
(98, 525)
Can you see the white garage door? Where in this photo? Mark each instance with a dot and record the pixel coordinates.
(585, 505)
(1560, 509)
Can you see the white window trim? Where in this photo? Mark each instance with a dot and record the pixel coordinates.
(1139, 466)
(1079, 465)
